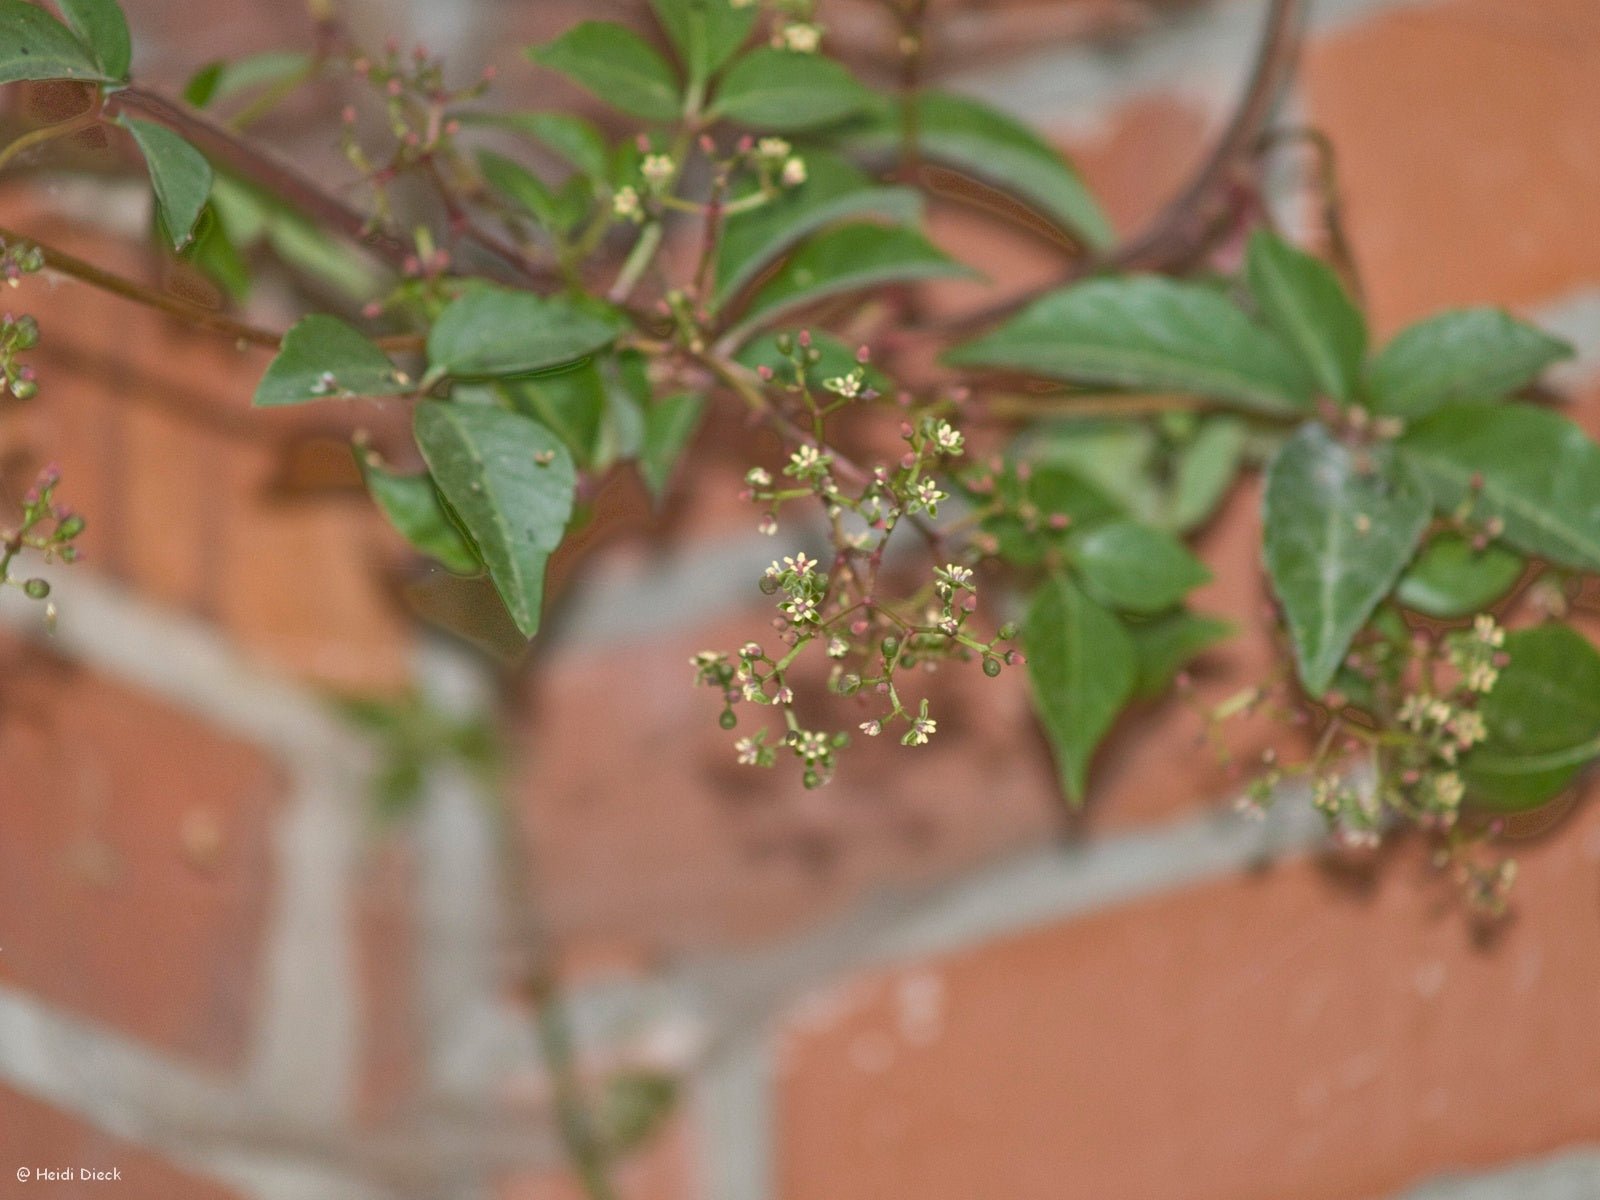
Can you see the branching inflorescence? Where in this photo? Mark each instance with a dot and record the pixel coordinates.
(557, 300)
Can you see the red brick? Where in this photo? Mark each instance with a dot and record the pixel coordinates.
(183, 485)
(34, 1135)
(1283, 1034)
(1468, 151)
(135, 869)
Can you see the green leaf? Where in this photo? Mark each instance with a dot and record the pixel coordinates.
(524, 189)
(843, 260)
(1054, 491)
(669, 427)
(618, 66)
(414, 507)
(1117, 457)
(1451, 579)
(1338, 532)
(179, 173)
(1203, 471)
(213, 252)
(219, 80)
(1133, 568)
(1469, 354)
(34, 45)
(785, 91)
(995, 147)
(488, 332)
(1540, 475)
(323, 358)
(834, 358)
(1543, 718)
(1171, 642)
(1303, 302)
(509, 481)
(833, 190)
(706, 33)
(101, 27)
(570, 402)
(1150, 333)
(572, 138)
(1083, 668)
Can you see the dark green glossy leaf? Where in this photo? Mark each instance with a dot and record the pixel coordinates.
(323, 358)
(1540, 475)
(571, 402)
(669, 427)
(1543, 718)
(509, 481)
(1169, 643)
(618, 66)
(785, 91)
(213, 252)
(1338, 532)
(1302, 300)
(1149, 333)
(1083, 668)
(995, 147)
(414, 507)
(833, 190)
(490, 331)
(847, 259)
(706, 33)
(179, 174)
(1466, 355)
(101, 27)
(1451, 579)
(34, 45)
(1133, 568)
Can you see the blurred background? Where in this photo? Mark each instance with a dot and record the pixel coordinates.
(254, 944)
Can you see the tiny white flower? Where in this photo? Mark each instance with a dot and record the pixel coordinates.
(774, 148)
(921, 730)
(794, 173)
(848, 386)
(872, 728)
(625, 203)
(838, 647)
(757, 477)
(768, 525)
(749, 752)
(800, 38)
(657, 168)
(948, 438)
(800, 564)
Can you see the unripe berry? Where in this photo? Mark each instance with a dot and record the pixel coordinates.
(36, 589)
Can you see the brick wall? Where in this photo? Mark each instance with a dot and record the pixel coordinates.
(219, 977)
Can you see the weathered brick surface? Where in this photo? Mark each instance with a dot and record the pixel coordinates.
(134, 863)
(1468, 150)
(192, 498)
(1291, 1034)
(35, 1136)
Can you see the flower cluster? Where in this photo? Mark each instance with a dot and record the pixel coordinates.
(46, 528)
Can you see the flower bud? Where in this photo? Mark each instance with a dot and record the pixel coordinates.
(728, 719)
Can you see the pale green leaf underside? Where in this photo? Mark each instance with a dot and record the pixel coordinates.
(1338, 532)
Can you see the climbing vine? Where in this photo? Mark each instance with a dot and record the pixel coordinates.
(556, 301)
